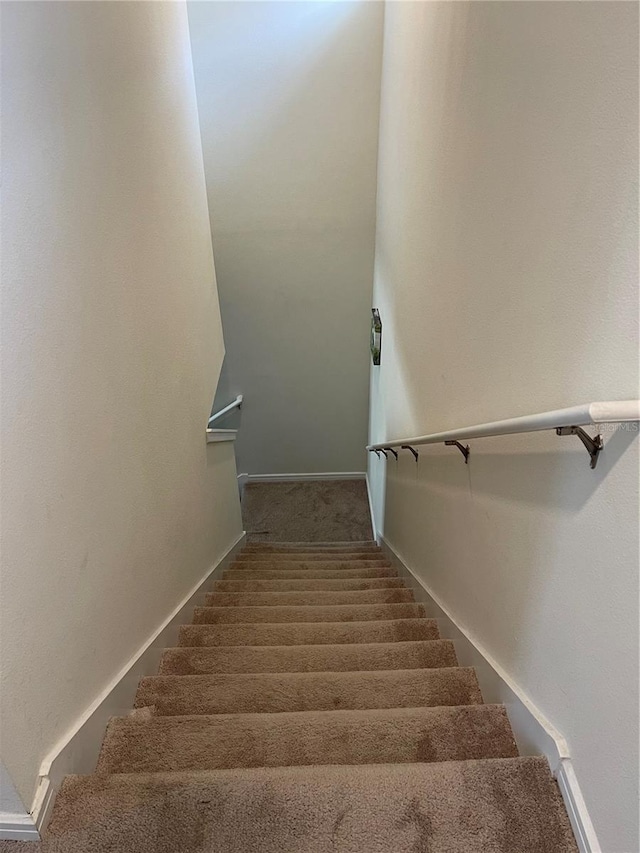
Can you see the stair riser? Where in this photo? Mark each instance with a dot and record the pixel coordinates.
(323, 658)
(308, 565)
(308, 574)
(317, 633)
(314, 597)
(310, 555)
(335, 584)
(330, 613)
(311, 546)
(285, 740)
(332, 554)
(259, 693)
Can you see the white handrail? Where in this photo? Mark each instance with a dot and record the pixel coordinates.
(236, 404)
(624, 411)
(588, 413)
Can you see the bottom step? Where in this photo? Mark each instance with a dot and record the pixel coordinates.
(498, 805)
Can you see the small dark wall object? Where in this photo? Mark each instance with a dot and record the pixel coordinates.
(408, 447)
(376, 335)
(464, 450)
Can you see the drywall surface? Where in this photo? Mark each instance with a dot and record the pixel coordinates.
(10, 802)
(113, 506)
(288, 95)
(506, 277)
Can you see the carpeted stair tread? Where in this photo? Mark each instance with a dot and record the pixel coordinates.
(257, 693)
(304, 557)
(312, 597)
(302, 574)
(308, 613)
(306, 565)
(313, 557)
(292, 584)
(499, 805)
(313, 658)
(306, 633)
(290, 547)
(388, 736)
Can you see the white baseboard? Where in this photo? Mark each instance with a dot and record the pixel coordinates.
(242, 482)
(18, 827)
(371, 513)
(583, 829)
(286, 478)
(77, 751)
(533, 733)
(16, 824)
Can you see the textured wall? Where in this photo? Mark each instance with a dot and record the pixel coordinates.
(506, 276)
(113, 506)
(288, 95)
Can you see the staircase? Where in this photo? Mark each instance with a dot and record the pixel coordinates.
(311, 707)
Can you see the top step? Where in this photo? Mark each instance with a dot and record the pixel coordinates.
(285, 547)
(259, 557)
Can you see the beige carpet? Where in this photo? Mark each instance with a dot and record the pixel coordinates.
(310, 708)
(309, 511)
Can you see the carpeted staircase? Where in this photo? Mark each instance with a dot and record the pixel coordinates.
(311, 708)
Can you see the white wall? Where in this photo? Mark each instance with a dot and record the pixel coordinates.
(113, 506)
(10, 802)
(506, 276)
(288, 95)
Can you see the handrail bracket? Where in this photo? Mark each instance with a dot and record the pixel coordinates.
(391, 450)
(408, 447)
(594, 445)
(464, 450)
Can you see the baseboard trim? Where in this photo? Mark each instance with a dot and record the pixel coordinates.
(18, 827)
(284, 478)
(371, 514)
(534, 734)
(242, 481)
(77, 751)
(583, 829)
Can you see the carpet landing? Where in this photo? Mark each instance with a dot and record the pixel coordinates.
(311, 707)
(307, 511)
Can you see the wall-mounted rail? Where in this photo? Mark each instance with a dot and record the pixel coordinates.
(236, 404)
(564, 421)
